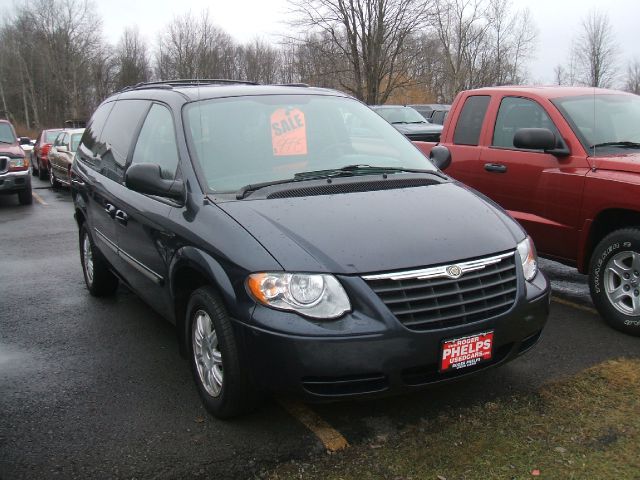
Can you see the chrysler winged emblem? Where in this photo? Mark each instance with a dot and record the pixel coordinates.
(453, 271)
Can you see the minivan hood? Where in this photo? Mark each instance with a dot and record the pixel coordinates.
(377, 231)
(628, 162)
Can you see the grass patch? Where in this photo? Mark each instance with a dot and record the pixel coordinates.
(586, 427)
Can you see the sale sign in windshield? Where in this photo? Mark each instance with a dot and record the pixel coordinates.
(466, 352)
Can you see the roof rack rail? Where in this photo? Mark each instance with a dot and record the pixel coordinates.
(182, 82)
(295, 84)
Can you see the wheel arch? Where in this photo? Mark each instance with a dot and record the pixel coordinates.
(604, 223)
(190, 269)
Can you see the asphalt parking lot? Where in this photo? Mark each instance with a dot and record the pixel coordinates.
(96, 388)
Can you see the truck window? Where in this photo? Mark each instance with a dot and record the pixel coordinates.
(470, 121)
(516, 113)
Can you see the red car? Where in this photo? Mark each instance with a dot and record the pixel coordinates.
(14, 167)
(565, 163)
(40, 153)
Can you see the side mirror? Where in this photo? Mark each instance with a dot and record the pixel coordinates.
(440, 156)
(540, 139)
(147, 178)
(62, 148)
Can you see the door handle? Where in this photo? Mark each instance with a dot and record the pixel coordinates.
(77, 182)
(122, 217)
(495, 167)
(110, 209)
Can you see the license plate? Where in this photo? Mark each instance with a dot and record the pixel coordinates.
(466, 352)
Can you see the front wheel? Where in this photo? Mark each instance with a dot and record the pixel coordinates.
(216, 358)
(25, 197)
(614, 279)
(99, 279)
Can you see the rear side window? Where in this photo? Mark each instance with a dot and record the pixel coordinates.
(118, 135)
(157, 142)
(516, 113)
(93, 130)
(470, 121)
(88, 145)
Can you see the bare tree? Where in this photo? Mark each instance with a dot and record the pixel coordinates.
(632, 81)
(482, 42)
(596, 51)
(132, 59)
(370, 35)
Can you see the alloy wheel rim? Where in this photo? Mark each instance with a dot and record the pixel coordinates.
(622, 282)
(87, 257)
(206, 353)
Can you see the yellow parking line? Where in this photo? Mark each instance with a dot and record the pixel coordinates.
(38, 198)
(329, 436)
(574, 305)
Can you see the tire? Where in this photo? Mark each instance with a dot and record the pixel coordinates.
(229, 392)
(55, 184)
(42, 173)
(100, 281)
(25, 197)
(614, 279)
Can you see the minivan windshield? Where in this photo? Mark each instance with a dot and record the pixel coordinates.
(606, 122)
(257, 139)
(6, 133)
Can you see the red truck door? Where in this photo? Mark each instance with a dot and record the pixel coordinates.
(542, 191)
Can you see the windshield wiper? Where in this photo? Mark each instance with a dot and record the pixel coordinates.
(360, 169)
(4, 141)
(348, 171)
(419, 121)
(399, 123)
(622, 144)
(252, 187)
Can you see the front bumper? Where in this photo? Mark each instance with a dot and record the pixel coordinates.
(15, 181)
(369, 352)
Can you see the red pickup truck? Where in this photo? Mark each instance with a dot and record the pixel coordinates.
(564, 162)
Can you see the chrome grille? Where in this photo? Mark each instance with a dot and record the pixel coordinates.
(429, 298)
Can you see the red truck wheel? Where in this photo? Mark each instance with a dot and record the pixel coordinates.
(614, 279)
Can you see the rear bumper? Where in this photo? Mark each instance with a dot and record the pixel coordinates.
(15, 181)
(391, 360)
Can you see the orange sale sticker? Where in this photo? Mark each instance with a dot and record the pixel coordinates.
(288, 132)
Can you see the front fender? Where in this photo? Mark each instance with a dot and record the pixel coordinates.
(208, 267)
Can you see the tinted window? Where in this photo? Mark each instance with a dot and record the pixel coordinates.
(157, 142)
(439, 116)
(118, 135)
(89, 144)
(470, 121)
(516, 113)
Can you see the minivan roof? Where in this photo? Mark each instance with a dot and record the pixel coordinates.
(195, 91)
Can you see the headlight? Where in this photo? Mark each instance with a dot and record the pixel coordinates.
(18, 163)
(312, 295)
(527, 251)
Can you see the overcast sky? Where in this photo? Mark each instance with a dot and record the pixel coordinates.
(558, 21)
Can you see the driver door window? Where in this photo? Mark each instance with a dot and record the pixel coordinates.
(157, 142)
(516, 113)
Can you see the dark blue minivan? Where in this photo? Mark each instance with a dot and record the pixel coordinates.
(298, 242)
